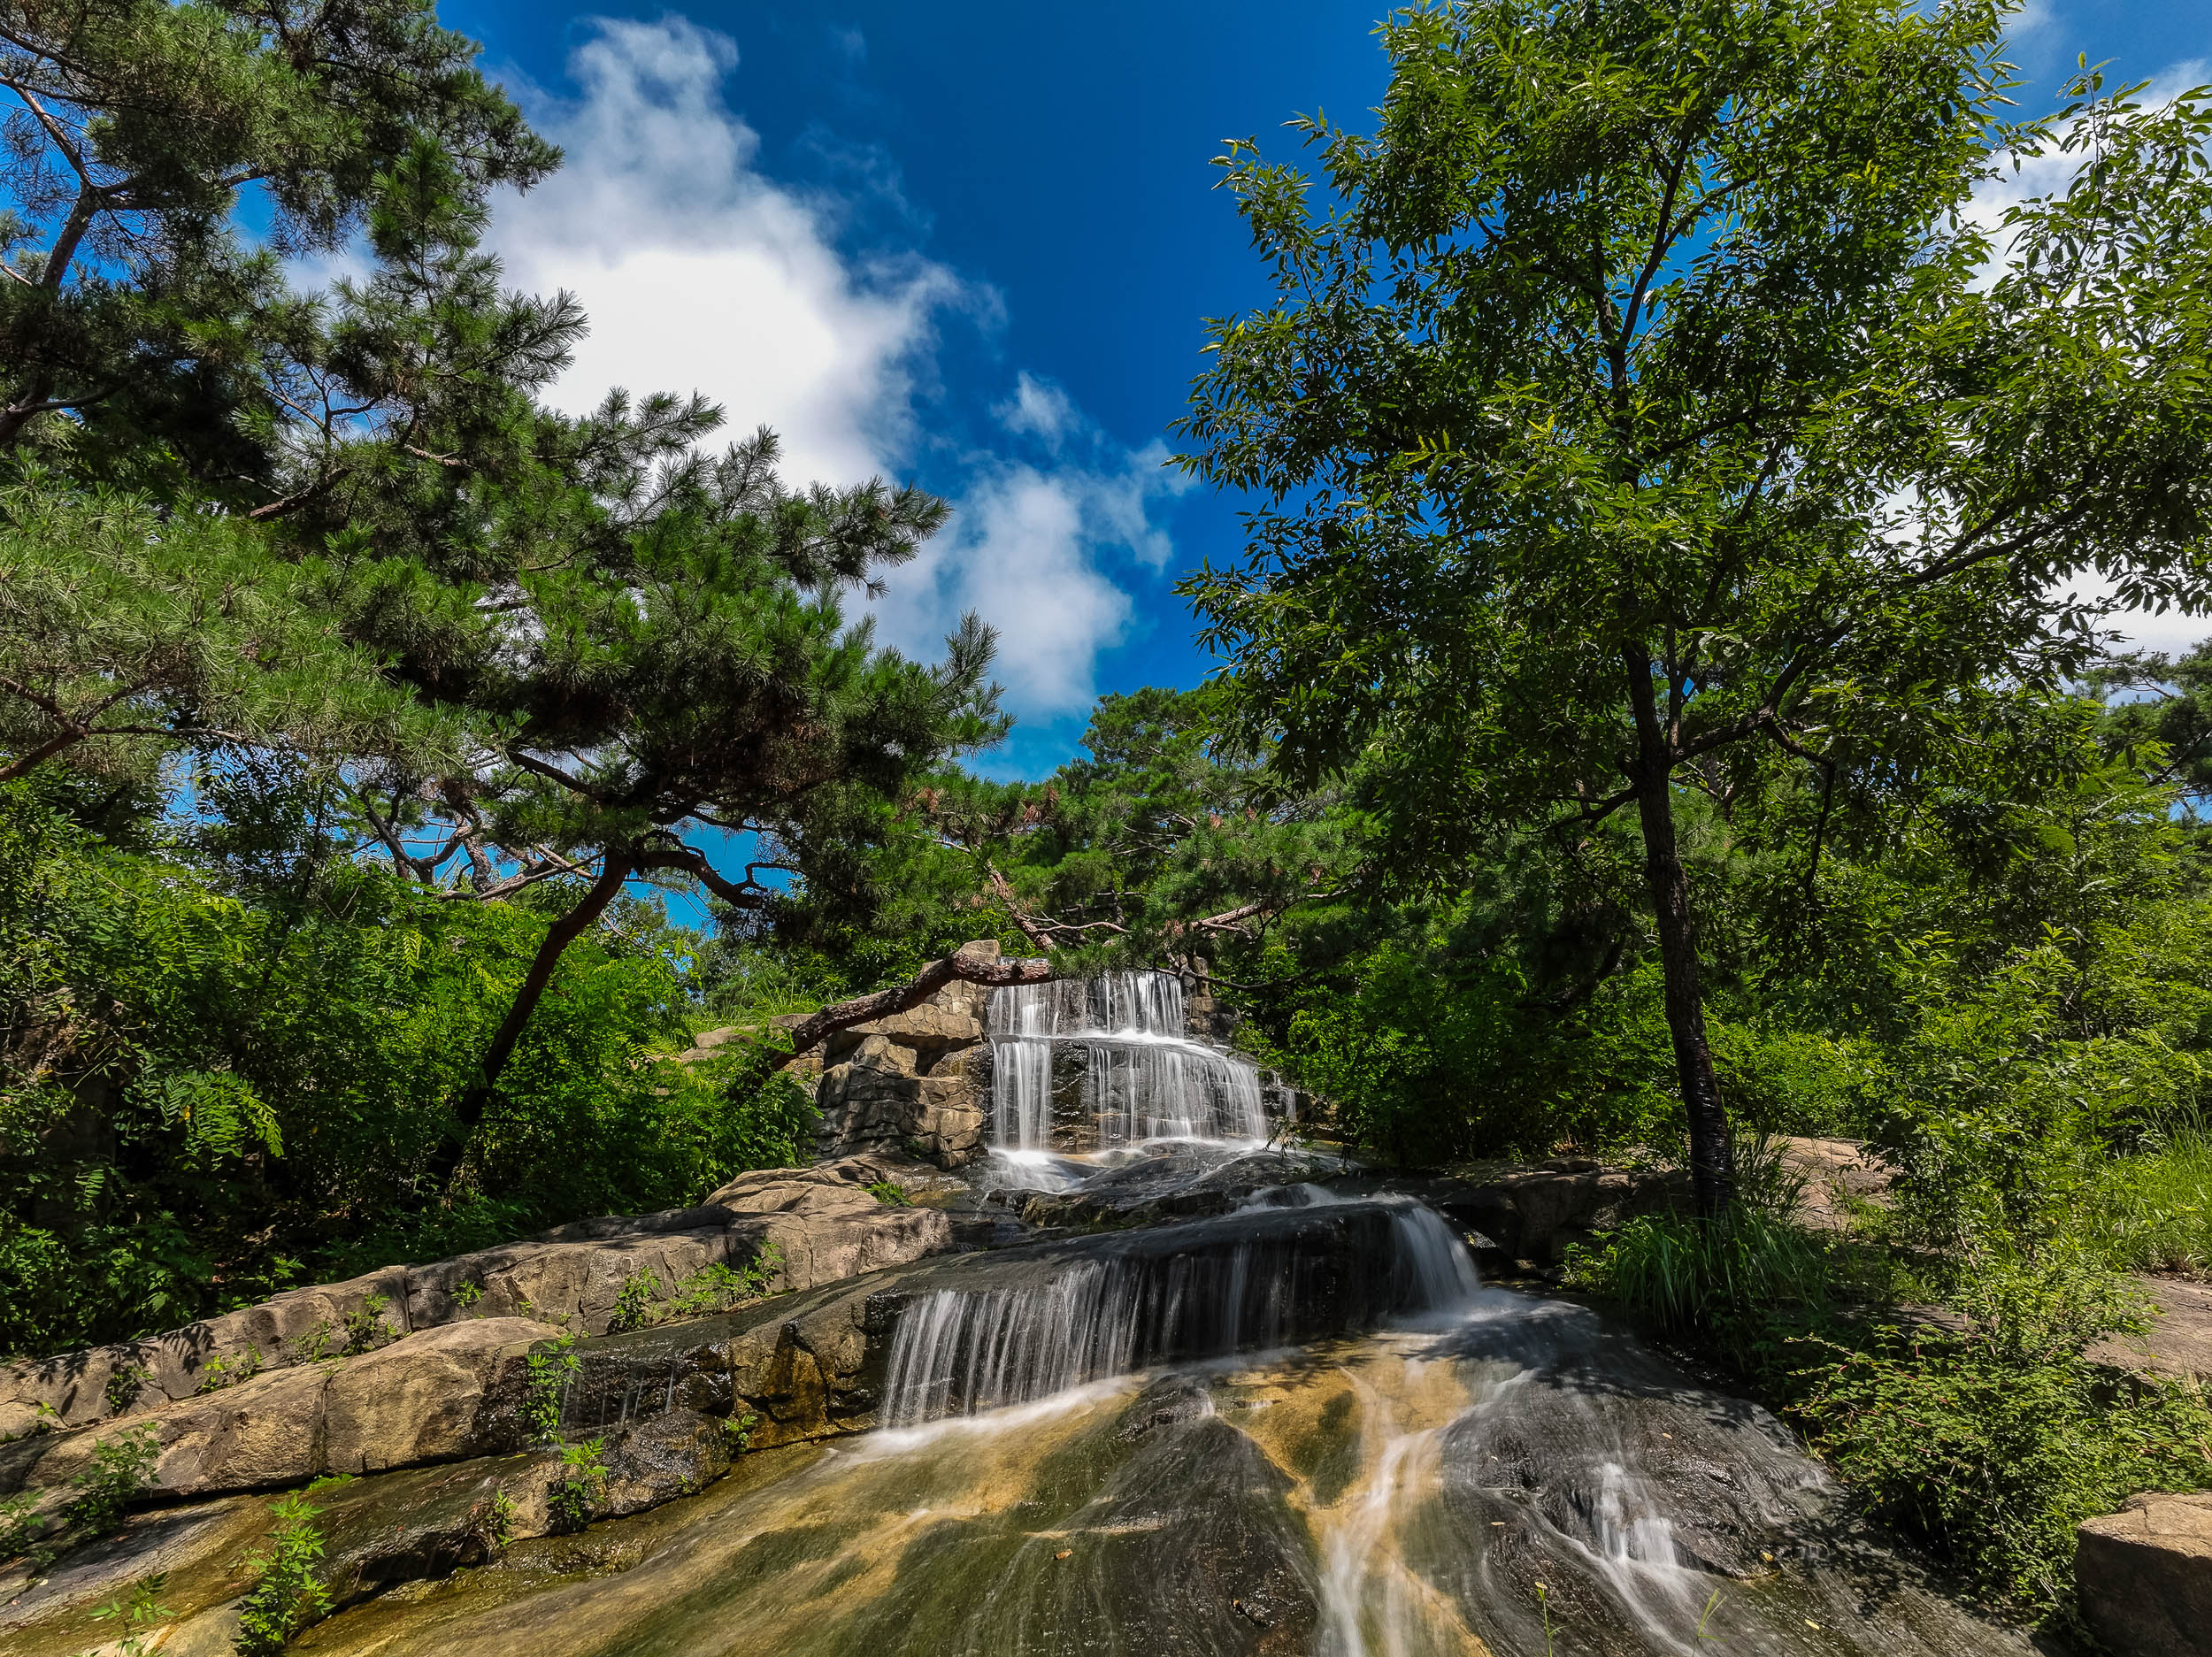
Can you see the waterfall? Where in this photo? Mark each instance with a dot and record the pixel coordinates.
(1096, 1063)
(1216, 1289)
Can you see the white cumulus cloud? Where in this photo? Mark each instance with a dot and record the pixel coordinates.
(1028, 549)
(699, 272)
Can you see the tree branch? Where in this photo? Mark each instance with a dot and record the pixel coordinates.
(958, 966)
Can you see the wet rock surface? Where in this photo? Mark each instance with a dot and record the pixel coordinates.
(1402, 1492)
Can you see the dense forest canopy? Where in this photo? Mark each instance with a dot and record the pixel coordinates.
(1654, 715)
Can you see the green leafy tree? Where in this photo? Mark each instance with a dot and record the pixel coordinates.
(1640, 397)
(137, 324)
(121, 625)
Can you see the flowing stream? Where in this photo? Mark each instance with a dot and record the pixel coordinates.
(1303, 1427)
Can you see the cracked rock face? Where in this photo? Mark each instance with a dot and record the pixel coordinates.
(918, 1082)
(816, 1225)
(2145, 1575)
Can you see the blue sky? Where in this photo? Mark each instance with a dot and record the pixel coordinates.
(970, 243)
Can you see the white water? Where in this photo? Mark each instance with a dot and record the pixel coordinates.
(961, 1351)
(1141, 1078)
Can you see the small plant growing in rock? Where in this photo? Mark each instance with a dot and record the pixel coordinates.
(20, 1530)
(891, 1194)
(634, 1304)
(584, 1475)
(551, 1369)
(142, 1607)
(125, 1382)
(288, 1595)
(219, 1372)
(467, 1294)
(497, 1524)
(120, 1468)
(315, 1344)
(740, 1430)
(365, 1327)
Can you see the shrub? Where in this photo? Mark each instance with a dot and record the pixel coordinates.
(634, 1303)
(144, 1606)
(365, 1327)
(287, 1596)
(120, 1470)
(1993, 1460)
(551, 1366)
(891, 1194)
(571, 1501)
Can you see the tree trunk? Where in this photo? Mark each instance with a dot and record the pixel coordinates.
(1712, 1158)
(566, 930)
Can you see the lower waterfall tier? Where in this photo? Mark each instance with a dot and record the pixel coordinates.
(1033, 1327)
(1515, 1481)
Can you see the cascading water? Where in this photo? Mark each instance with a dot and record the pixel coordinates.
(1099, 1063)
(1297, 1428)
(1253, 1285)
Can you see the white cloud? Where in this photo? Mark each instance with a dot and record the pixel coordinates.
(1041, 410)
(1025, 549)
(699, 272)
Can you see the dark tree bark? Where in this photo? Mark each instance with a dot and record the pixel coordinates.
(1712, 1157)
(617, 869)
(974, 969)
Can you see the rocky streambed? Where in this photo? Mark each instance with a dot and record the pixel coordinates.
(1293, 1424)
(1100, 1386)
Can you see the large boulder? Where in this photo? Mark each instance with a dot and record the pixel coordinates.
(801, 1227)
(2143, 1576)
(418, 1400)
(918, 1081)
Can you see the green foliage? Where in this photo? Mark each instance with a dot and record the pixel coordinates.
(125, 1382)
(261, 1072)
(890, 1194)
(499, 1519)
(144, 335)
(22, 1532)
(219, 1372)
(1694, 1275)
(2153, 1212)
(1991, 1460)
(136, 1613)
(634, 1303)
(713, 1288)
(552, 1365)
(573, 1497)
(125, 628)
(739, 1429)
(120, 1470)
(287, 1595)
(365, 1327)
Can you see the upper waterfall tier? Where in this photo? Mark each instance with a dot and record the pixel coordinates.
(1114, 1003)
(1089, 1065)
